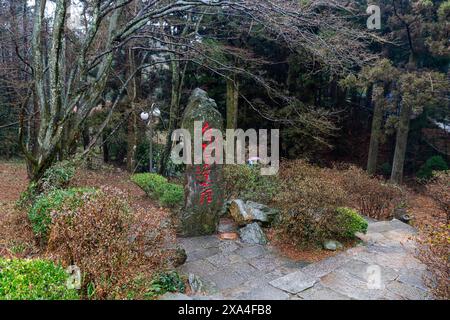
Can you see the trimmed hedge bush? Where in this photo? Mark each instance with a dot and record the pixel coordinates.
(172, 195)
(151, 183)
(33, 280)
(157, 187)
(349, 222)
(40, 212)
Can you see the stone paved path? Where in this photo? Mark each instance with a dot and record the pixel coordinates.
(382, 268)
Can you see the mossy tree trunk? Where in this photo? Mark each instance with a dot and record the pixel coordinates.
(133, 96)
(375, 135)
(401, 144)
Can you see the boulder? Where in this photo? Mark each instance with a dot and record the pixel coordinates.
(253, 234)
(248, 212)
(261, 212)
(332, 245)
(239, 213)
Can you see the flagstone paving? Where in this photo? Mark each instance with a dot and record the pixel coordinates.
(384, 267)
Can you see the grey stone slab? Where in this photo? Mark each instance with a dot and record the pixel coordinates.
(380, 227)
(250, 252)
(354, 288)
(245, 270)
(199, 268)
(396, 261)
(295, 264)
(326, 266)
(384, 248)
(362, 270)
(413, 278)
(266, 263)
(195, 243)
(222, 259)
(294, 283)
(407, 291)
(201, 254)
(319, 292)
(226, 278)
(228, 246)
(264, 292)
(404, 227)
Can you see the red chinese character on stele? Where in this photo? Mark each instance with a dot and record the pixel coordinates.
(207, 192)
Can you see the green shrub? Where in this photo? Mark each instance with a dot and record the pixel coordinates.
(152, 183)
(246, 183)
(157, 187)
(57, 176)
(166, 282)
(33, 280)
(172, 195)
(436, 163)
(349, 222)
(41, 211)
(28, 196)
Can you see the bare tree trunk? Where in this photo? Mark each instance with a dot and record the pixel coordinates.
(401, 144)
(232, 103)
(133, 95)
(177, 86)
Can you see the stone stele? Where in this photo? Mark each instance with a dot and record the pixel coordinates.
(203, 183)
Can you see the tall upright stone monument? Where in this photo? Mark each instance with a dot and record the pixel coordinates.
(203, 184)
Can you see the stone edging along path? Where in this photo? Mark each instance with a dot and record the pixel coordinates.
(383, 268)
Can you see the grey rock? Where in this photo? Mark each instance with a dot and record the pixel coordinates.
(195, 283)
(332, 245)
(261, 212)
(179, 256)
(253, 233)
(225, 208)
(239, 212)
(250, 211)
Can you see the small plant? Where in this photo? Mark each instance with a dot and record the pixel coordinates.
(166, 282)
(436, 163)
(28, 196)
(40, 214)
(33, 280)
(349, 222)
(57, 176)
